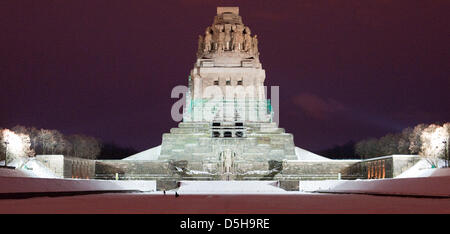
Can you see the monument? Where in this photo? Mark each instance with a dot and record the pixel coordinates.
(227, 124)
(228, 130)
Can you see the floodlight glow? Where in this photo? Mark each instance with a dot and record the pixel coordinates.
(437, 138)
(14, 141)
(433, 138)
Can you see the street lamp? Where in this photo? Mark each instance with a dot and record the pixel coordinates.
(446, 152)
(6, 153)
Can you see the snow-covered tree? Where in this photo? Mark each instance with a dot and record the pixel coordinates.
(45, 140)
(2, 145)
(415, 141)
(433, 140)
(14, 145)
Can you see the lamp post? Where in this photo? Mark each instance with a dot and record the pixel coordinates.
(446, 152)
(6, 153)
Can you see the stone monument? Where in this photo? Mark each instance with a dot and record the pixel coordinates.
(228, 132)
(227, 126)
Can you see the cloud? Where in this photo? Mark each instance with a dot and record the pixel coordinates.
(317, 107)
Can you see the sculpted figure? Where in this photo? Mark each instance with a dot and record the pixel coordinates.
(200, 45)
(238, 37)
(255, 45)
(215, 37)
(220, 38)
(227, 36)
(207, 41)
(227, 158)
(247, 40)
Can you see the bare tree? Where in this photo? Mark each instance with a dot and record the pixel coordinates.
(58, 142)
(415, 142)
(403, 141)
(367, 148)
(361, 148)
(388, 144)
(84, 146)
(45, 140)
(93, 148)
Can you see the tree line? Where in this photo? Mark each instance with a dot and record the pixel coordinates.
(427, 140)
(30, 141)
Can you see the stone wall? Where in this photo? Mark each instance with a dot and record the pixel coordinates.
(168, 172)
(319, 170)
(69, 167)
(129, 169)
(79, 168)
(382, 167)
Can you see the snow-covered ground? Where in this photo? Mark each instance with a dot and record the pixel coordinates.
(421, 169)
(436, 185)
(31, 176)
(226, 187)
(303, 154)
(340, 196)
(46, 185)
(28, 167)
(150, 154)
(419, 180)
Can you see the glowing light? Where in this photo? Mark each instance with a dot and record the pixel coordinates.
(437, 137)
(14, 141)
(433, 146)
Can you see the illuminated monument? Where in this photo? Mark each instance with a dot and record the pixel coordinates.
(228, 131)
(227, 121)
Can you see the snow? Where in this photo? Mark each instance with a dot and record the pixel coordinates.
(421, 169)
(318, 185)
(194, 172)
(418, 180)
(257, 172)
(150, 154)
(307, 155)
(29, 167)
(438, 186)
(31, 176)
(39, 185)
(34, 168)
(226, 187)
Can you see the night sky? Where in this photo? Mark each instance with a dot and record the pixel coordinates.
(347, 70)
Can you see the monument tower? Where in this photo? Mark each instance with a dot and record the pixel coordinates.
(227, 126)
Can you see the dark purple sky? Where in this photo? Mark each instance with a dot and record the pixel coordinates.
(347, 70)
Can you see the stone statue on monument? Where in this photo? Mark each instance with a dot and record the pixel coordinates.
(247, 40)
(200, 45)
(255, 45)
(207, 40)
(220, 38)
(227, 37)
(238, 38)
